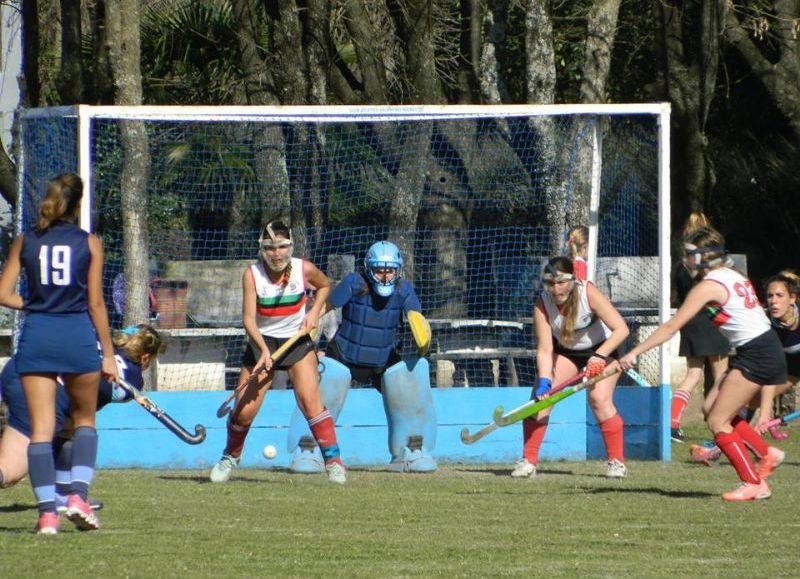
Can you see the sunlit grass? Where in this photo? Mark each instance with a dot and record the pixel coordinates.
(665, 520)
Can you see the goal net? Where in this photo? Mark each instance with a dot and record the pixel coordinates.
(477, 198)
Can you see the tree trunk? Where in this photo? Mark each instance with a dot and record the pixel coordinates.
(273, 191)
(124, 57)
(600, 33)
(469, 51)
(540, 76)
(690, 63)
(102, 85)
(30, 54)
(493, 86)
(70, 81)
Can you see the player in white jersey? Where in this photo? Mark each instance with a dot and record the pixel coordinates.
(273, 310)
(731, 302)
(575, 326)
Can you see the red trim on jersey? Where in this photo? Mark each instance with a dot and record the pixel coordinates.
(283, 310)
(727, 291)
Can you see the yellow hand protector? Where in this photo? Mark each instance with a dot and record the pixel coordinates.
(421, 330)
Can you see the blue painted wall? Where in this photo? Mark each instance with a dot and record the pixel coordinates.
(130, 437)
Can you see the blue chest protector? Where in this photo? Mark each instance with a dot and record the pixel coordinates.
(367, 334)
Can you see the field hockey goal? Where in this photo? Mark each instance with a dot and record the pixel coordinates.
(476, 197)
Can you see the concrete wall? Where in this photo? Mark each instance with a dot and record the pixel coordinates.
(130, 437)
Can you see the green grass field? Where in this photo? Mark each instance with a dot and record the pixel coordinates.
(665, 520)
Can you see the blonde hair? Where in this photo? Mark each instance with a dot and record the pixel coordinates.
(577, 241)
(61, 202)
(696, 220)
(139, 340)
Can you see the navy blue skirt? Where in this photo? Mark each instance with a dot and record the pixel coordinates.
(57, 343)
(14, 397)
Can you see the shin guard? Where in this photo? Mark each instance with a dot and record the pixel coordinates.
(411, 415)
(334, 384)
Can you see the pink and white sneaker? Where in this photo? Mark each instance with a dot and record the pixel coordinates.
(81, 514)
(770, 461)
(748, 492)
(47, 524)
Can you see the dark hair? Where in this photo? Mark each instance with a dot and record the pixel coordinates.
(561, 264)
(61, 201)
(278, 228)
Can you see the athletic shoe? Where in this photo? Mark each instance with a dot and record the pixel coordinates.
(748, 492)
(61, 507)
(770, 461)
(223, 469)
(47, 524)
(336, 473)
(704, 454)
(616, 469)
(79, 512)
(676, 435)
(524, 469)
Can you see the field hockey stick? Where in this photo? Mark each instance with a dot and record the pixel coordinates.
(780, 421)
(638, 378)
(468, 438)
(276, 357)
(536, 406)
(161, 415)
(563, 390)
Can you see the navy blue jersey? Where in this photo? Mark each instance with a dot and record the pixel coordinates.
(129, 371)
(56, 266)
(790, 340)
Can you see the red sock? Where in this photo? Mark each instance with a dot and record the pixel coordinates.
(679, 401)
(612, 431)
(236, 436)
(324, 433)
(532, 435)
(750, 437)
(731, 444)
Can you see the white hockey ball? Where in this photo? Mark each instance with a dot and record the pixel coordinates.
(269, 452)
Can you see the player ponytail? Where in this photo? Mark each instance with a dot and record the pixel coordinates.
(577, 242)
(62, 201)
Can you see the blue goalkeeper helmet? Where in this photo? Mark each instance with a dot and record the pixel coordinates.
(385, 255)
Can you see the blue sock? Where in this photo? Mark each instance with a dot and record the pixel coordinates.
(42, 472)
(84, 454)
(62, 449)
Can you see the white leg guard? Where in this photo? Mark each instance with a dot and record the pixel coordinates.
(334, 383)
(411, 415)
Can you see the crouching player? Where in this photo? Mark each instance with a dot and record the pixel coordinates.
(364, 350)
(274, 310)
(135, 348)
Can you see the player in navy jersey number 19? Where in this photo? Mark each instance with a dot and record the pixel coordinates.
(730, 300)
(65, 318)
